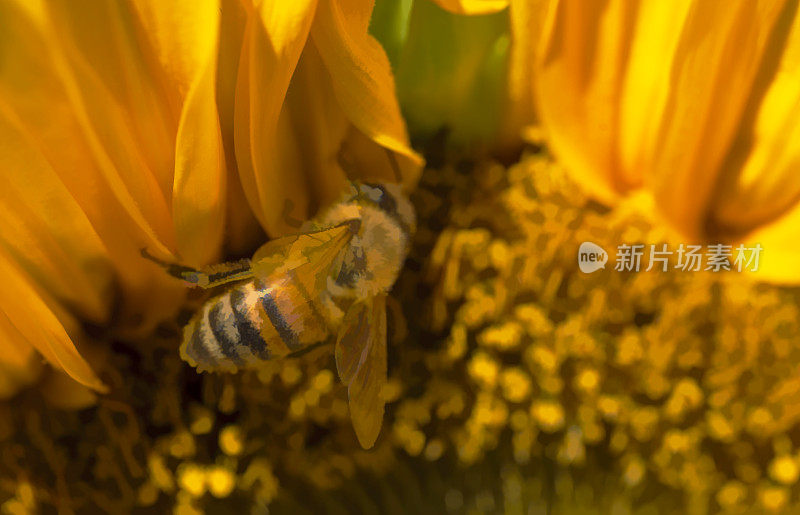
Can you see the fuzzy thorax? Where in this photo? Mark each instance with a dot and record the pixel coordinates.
(373, 260)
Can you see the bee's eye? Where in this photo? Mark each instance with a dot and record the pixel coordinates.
(374, 193)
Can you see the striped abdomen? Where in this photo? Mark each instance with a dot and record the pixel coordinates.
(252, 322)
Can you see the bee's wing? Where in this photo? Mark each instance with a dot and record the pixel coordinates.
(318, 249)
(361, 362)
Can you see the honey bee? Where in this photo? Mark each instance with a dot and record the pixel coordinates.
(330, 279)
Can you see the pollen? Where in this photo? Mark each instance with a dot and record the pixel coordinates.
(503, 337)
(784, 469)
(323, 381)
(202, 421)
(220, 481)
(484, 369)
(159, 473)
(230, 440)
(773, 498)
(719, 427)
(549, 415)
(634, 472)
(291, 374)
(731, 494)
(544, 357)
(587, 380)
(182, 445)
(516, 384)
(192, 479)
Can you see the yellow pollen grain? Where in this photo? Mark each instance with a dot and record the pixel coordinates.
(159, 473)
(773, 498)
(516, 384)
(203, 422)
(731, 494)
(297, 407)
(483, 369)
(392, 390)
(291, 374)
(230, 440)
(499, 254)
(311, 397)
(549, 414)
(718, 427)
(784, 469)
(187, 509)
(182, 445)
(759, 419)
(147, 494)
(434, 450)
(25, 494)
(192, 479)
(544, 358)
(588, 380)
(609, 407)
(457, 343)
(221, 481)
(533, 319)
(504, 336)
(323, 381)
(634, 472)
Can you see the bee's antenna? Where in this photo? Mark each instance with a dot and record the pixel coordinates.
(150, 257)
(185, 273)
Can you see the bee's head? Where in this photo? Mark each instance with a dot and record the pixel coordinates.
(381, 219)
(390, 199)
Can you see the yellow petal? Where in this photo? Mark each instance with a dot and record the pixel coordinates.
(764, 194)
(79, 126)
(472, 6)
(20, 364)
(649, 95)
(762, 182)
(781, 250)
(108, 39)
(80, 142)
(311, 129)
(721, 51)
(526, 22)
(45, 229)
(37, 325)
(362, 80)
(198, 203)
(189, 39)
(186, 36)
(577, 85)
(275, 35)
(118, 103)
(243, 231)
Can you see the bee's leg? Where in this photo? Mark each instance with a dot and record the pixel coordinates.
(207, 277)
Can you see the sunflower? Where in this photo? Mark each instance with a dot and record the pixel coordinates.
(187, 128)
(694, 103)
